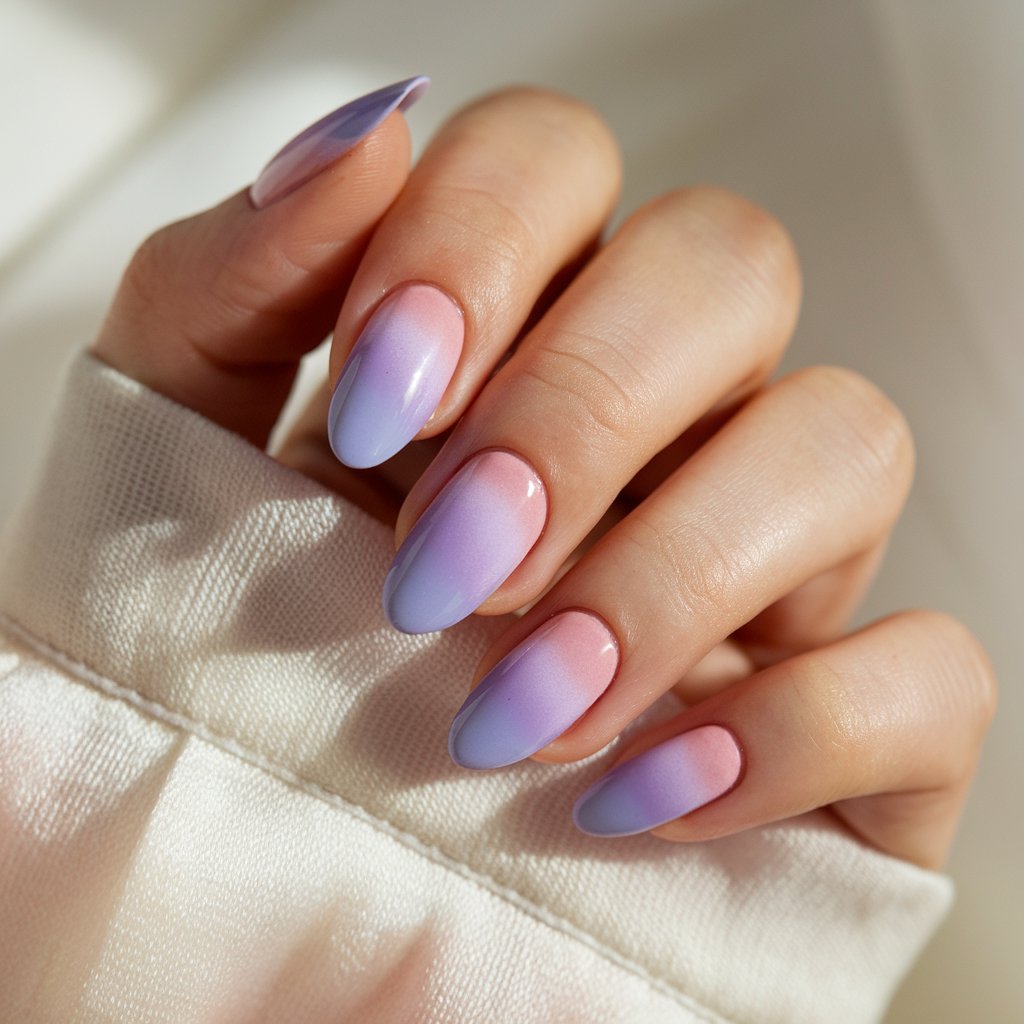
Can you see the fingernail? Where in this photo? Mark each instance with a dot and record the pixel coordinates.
(314, 149)
(466, 544)
(661, 784)
(395, 375)
(535, 692)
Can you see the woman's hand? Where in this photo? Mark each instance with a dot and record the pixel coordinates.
(672, 516)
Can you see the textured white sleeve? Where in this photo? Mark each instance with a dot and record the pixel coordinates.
(225, 793)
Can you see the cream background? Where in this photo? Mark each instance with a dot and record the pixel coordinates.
(886, 136)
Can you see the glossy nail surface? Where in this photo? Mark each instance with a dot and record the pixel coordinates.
(663, 783)
(395, 375)
(319, 145)
(535, 692)
(467, 542)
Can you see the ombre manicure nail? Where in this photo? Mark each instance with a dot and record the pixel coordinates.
(395, 375)
(314, 149)
(535, 692)
(661, 784)
(466, 544)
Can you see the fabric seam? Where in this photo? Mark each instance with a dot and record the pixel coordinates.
(154, 709)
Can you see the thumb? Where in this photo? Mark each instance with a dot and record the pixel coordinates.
(215, 311)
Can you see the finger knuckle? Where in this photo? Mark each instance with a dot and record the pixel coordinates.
(827, 714)
(742, 251)
(861, 424)
(968, 679)
(473, 227)
(697, 571)
(745, 247)
(240, 272)
(597, 379)
(563, 120)
(759, 245)
(150, 267)
(233, 282)
(488, 163)
(650, 552)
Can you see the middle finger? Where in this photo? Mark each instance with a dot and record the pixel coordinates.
(692, 301)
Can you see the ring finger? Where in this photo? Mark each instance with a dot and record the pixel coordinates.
(810, 473)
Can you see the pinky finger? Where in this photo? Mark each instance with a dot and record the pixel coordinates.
(885, 726)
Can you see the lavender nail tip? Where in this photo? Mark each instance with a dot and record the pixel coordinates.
(618, 804)
(395, 376)
(663, 783)
(599, 811)
(466, 544)
(402, 606)
(485, 735)
(473, 742)
(323, 142)
(536, 692)
(360, 435)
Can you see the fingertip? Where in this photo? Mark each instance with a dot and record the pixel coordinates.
(251, 290)
(401, 364)
(666, 782)
(330, 138)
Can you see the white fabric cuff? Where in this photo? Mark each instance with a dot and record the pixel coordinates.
(226, 793)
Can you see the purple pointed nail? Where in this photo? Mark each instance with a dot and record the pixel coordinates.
(466, 544)
(319, 145)
(661, 784)
(395, 375)
(535, 692)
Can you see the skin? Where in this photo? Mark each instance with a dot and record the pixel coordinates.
(723, 522)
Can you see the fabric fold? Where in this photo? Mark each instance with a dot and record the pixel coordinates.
(265, 772)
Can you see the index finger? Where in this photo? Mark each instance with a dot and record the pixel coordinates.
(216, 310)
(514, 188)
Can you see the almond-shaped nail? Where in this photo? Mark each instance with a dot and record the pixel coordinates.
(319, 145)
(395, 375)
(535, 692)
(467, 542)
(663, 783)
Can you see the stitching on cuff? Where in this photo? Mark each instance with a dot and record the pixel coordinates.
(87, 676)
